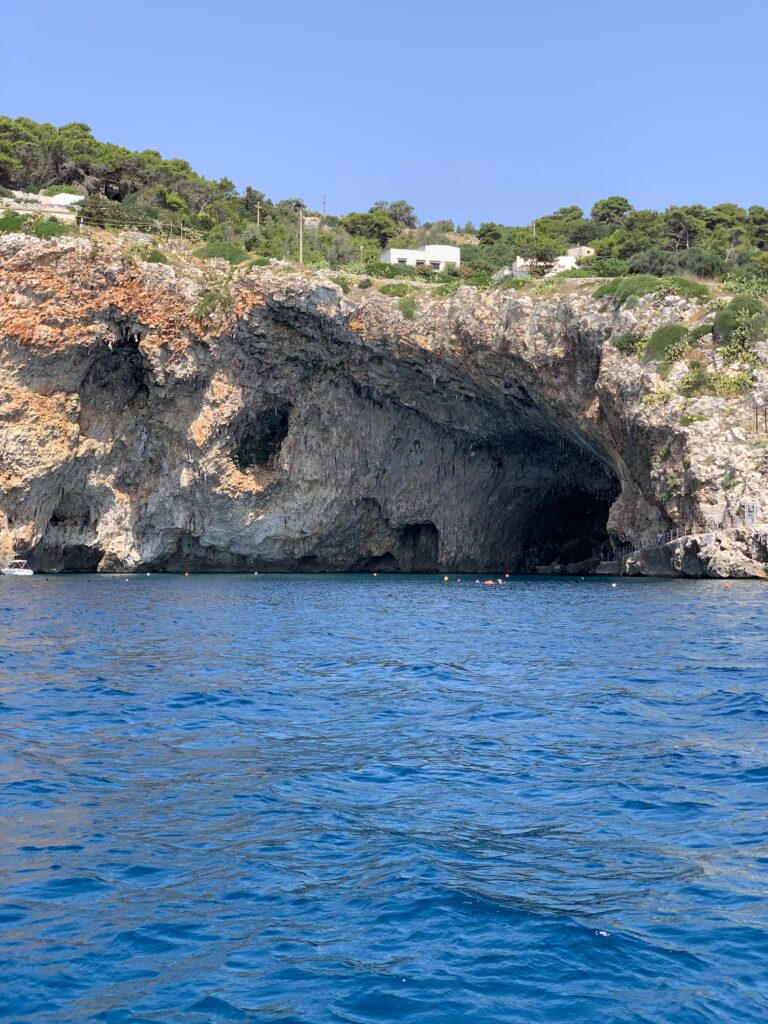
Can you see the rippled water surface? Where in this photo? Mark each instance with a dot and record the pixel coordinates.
(359, 799)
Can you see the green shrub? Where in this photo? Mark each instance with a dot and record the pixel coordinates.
(343, 282)
(365, 283)
(663, 341)
(696, 380)
(50, 228)
(260, 261)
(660, 262)
(622, 288)
(228, 251)
(730, 323)
(213, 298)
(376, 269)
(394, 290)
(741, 284)
(689, 418)
(605, 266)
(447, 289)
(10, 222)
(696, 333)
(730, 385)
(510, 281)
(684, 287)
(155, 256)
(479, 279)
(408, 307)
(629, 342)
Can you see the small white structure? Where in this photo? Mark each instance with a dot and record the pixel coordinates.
(522, 268)
(437, 257)
(65, 199)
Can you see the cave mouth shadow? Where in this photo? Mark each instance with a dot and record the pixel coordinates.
(570, 530)
(551, 505)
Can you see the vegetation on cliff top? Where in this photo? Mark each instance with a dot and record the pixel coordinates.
(143, 190)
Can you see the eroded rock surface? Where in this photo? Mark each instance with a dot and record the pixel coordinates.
(151, 419)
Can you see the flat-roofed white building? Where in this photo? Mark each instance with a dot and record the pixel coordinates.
(436, 257)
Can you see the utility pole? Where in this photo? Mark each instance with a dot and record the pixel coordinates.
(324, 197)
(258, 214)
(299, 208)
(534, 231)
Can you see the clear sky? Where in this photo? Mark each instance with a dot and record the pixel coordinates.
(486, 110)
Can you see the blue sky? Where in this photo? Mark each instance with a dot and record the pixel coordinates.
(478, 111)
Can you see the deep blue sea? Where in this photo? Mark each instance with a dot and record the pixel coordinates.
(377, 799)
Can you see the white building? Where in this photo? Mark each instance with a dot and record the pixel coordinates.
(522, 268)
(437, 257)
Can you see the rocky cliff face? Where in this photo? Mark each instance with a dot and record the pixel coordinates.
(155, 418)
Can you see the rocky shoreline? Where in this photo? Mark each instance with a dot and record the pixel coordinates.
(190, 418)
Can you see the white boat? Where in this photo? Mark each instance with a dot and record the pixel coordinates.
(16, 567)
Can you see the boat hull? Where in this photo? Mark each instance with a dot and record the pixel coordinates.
(17, 572)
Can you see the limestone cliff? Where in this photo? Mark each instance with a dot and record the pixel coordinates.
(159, 417)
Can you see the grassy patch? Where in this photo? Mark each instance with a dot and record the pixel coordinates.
(408, 307)
(10, 222)
(623, 289)
(689, 418)
(50, 228)
(155, 256)
(394, 290)
(684, 287)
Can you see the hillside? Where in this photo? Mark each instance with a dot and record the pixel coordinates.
(144, 191)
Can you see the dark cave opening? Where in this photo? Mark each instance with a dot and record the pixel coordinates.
(550, 506)
(257, 436)
(570, 529)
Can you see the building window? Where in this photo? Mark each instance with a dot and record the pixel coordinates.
(435, 266)
(401, 260)
(419, 263)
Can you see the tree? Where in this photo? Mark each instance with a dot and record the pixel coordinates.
(639, 230)
(758, 226)
(489, 233)
(401, 212)
(377, 225)
(541, 254)
(611, 210)
(680, 228)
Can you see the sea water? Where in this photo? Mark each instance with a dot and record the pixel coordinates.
(374, 799)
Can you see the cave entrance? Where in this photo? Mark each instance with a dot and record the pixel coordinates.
(258, 436)
(546, 505)
(569, 530)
